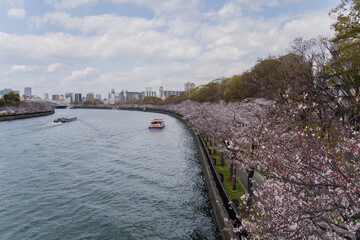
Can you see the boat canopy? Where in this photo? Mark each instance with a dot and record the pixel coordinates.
(157, 120)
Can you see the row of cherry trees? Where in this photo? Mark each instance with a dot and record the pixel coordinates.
(310, 168)
(305, 146)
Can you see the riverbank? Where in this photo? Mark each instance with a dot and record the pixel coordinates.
(22, 110)
(16, 116)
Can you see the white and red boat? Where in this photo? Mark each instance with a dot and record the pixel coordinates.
(157, 124)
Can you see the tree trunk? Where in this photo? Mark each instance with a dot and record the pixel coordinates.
(250, 185)
(233, 182)
(250, 179)
(231, 171)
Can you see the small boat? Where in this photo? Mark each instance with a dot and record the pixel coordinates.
(157, 124)
(65, 120)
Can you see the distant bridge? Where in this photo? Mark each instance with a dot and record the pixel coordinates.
(57, 104)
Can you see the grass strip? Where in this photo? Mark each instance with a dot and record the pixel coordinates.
(225, 170)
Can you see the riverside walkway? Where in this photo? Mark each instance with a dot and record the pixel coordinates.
(241, 174)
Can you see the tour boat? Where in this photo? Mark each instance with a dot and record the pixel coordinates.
(157, 124)
(65, 120)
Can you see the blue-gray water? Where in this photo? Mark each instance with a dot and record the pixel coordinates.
(104, 176)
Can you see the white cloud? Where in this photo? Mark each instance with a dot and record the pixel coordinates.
(164, 6)
(18, 13)
(16, 10)
(69, 4)
(119, 37)
(54, 67)
(25, 68)
(256, 37)
(315, 22)
(167, 75)
(85, 75)
(257, 5)
(42, 49)
(100, 24)
(227, 10)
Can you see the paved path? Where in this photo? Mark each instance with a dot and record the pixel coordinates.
(242, 176)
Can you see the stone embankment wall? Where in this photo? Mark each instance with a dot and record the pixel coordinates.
(216, 201)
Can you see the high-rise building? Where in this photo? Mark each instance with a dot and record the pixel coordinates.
(188, 86)
(167, 93)
(130, 96)
(55, 97)
(45, 96)
(78, 97)
(123, 95)
(27, 92)
(69, 97)
(111, 96)
(149, 92)
(161, 91)
(90, 96)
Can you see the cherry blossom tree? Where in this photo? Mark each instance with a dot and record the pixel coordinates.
(311, 173)
(309, 164)
(241, 124)
(311, 188)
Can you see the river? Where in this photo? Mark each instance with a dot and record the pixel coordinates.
(103, 176)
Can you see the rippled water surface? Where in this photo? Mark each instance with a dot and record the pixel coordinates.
(104, 176)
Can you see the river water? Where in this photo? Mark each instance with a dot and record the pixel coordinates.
(103, 176)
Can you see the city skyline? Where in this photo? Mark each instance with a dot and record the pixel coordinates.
(87, 45)
(66, 96)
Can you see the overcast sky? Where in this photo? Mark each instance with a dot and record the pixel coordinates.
(59, 46)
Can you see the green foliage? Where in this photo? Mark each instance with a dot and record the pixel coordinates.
(176, 99)
(235, 89)
(132, 101)
(12, 97)
(344, 67)
(346, 62)
(211, 92)
(347, 26)
(152, 100)
(271, 78)
(89, 102)
(264, 79)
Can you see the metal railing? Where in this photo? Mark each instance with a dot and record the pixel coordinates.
(228, 204)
